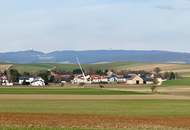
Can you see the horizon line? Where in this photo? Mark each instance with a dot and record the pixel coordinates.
(80, 50)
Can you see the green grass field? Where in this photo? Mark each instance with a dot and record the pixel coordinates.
(70, 67)
(32, 68)
(165, 108)
(178, 82)
(65, 91)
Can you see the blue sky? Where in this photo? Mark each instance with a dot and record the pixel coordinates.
(49, 25)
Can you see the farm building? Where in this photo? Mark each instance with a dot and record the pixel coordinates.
(78, 79)
(133, 79)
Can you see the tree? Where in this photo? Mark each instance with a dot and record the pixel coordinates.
(172, 76)
(90, 70)
(155, 85)
(12, 75)
(26, 74)
(77, 71)
(157, 70)
(99, 72)
(166, 75)
(45, 75)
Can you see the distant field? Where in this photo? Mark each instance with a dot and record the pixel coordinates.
(68, 67)
(33, 68)
(4, 67)
(183, 69)
(71, 91)
(178, 82)
(133, 108)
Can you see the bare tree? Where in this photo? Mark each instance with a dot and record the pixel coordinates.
(155, 85)
(157, 70)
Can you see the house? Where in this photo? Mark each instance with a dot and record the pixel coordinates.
(98, 79)
(121, 79)
(38, 82)
(112, 79)
(25, 80)
(33, 81)
(134, 79)
(59, 77)
(78, 79)
(4, 81)
(148, 80)
(95, 79)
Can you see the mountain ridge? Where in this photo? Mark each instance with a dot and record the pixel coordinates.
(95, 56)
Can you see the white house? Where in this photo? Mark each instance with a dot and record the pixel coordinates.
(78, 79)
(26, 80)
(121, 79)
(160, 81)
(33, 81)
(112, 79)
(38, 82)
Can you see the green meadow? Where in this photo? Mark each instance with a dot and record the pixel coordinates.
(65, 91)
(165, 108)
(178, 82)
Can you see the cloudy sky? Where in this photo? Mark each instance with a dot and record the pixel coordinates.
(49, 25)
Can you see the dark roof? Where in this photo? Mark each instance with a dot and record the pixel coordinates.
(24, 78)
(146, 78)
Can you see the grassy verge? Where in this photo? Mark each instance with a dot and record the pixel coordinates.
(68, 91)
(178, 82)
(124, 107)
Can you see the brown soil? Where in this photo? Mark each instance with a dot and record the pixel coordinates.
(90, 97)
(89, 121)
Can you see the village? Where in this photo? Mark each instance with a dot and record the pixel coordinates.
(79, 77)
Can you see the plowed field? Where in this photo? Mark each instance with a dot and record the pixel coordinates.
(89, 121)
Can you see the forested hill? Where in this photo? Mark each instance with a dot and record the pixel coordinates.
(96, 56)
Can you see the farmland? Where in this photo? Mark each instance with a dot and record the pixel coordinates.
(101, 109)
(114, 107)
(129, 108)
(65, 91)
(4, 67)
(178, 82)
(182, 69)
(97, 114)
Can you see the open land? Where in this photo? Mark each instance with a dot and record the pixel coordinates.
(102, 111)
(182, 69)
(110, 108)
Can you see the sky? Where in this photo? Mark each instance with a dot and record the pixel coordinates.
(49, 25)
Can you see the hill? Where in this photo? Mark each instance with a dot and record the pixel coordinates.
(182, 69)
(96, 56)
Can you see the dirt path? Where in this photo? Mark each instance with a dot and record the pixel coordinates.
(89, 121)
(90, 97)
